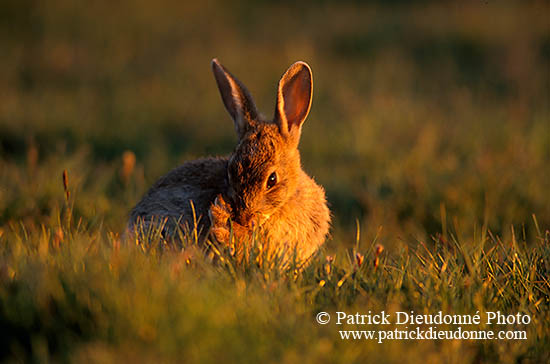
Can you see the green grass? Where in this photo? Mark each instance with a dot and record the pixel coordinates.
(430, 131)
(77, 294)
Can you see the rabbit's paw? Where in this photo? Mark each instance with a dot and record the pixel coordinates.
(220, 212)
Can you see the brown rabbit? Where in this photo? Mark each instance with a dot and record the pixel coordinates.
(260, 187)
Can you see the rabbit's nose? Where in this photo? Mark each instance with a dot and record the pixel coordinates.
(245, 219)
(238, 203)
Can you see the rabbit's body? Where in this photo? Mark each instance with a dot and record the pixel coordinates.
(260, 187)
(168, 201)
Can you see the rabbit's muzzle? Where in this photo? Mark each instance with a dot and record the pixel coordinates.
(243, 216)
(247, 216)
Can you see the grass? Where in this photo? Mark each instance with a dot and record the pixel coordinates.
(75, 294)
(430, 131)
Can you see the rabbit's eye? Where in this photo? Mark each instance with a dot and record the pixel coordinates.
(271, 180)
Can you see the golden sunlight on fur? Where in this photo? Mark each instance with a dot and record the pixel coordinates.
(258, 190)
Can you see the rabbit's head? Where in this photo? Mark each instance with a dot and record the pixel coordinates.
(264, 170)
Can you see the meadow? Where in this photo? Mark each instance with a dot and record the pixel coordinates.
(430, 131)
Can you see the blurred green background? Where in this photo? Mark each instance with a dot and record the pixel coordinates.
(427, 117)
(430, 122)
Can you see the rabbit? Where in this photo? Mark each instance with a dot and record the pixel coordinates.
(259, 188)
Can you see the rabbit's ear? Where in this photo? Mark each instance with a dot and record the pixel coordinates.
(236, 98)
(294, 99)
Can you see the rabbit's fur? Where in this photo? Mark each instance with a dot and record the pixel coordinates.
(260, 187)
